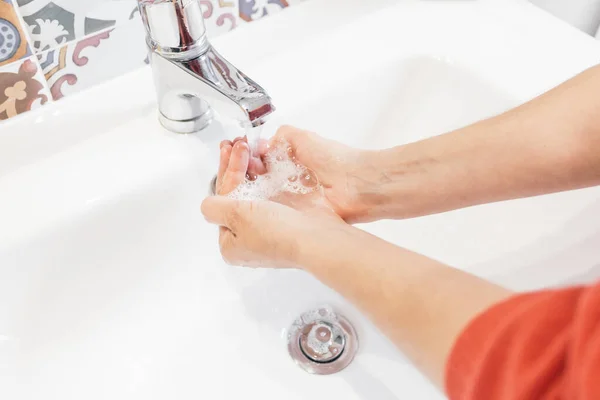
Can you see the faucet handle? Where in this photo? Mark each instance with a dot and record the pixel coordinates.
(174, 27)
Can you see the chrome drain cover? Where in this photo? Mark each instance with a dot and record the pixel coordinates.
(322, 342)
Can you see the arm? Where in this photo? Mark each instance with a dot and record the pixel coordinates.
(548, 145)
(420, 304)
(477, 337)
(445, 320)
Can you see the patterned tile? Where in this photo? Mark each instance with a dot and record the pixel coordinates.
(55, 22)
(251, 10)
(22, 88)
(221, 16)
(81, 43)
(13, 41)
(81, 64)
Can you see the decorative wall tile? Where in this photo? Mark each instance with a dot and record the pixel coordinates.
(13, 41)
(81, 43)
(220, 16)
(55, 22)
(87, 62)
(22, 88)
(251, 10)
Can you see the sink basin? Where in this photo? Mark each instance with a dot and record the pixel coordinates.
(111, 284)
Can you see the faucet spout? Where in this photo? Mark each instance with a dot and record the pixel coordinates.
(192, 79)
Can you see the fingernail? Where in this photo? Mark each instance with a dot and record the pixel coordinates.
(241, 143)
(245, 138)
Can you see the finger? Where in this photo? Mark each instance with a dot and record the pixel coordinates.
(227, 245)
(237, 168)
(224, 156)
(256, 167)
(288, 133)
(224, 142)
(241, 139)
(220, 211)
(223, 231)
(303, 145)
(262, 147)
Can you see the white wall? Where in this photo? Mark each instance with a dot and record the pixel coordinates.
(584, 14)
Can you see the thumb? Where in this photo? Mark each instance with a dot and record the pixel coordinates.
(292, 135)
(304, 144)
(221, 211)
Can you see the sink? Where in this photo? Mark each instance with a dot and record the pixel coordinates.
(111, 285)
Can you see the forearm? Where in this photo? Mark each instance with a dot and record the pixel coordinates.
(548, 145)
(420, 304)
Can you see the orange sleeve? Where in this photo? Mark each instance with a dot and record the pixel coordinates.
(542, 345)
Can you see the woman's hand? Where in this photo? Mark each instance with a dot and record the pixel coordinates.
(351, 178)
(347, 175)
(263, 233)
(266, 234)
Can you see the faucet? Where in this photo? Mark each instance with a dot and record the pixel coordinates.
(192, 79)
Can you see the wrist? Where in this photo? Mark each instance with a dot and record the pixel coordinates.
(407, 181)
(318, 247)
(379, 182)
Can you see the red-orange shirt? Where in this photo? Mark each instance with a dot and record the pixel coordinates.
(542, 345)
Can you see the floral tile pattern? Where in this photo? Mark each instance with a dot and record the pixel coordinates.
(220, 16)
(77, 44)
(251, 10)
(23, 88)
(54, 22)
(84, 63)
(13, 42)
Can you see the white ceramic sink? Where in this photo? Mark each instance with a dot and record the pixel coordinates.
(111, 285)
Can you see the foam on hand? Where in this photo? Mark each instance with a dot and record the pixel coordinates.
(283, 175)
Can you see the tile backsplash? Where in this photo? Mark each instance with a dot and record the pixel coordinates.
(50, 49)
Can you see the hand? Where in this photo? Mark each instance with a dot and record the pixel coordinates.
(263, 233)
(266, 234)
(346, 174)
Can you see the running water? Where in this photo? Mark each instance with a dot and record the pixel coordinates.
(253, 135)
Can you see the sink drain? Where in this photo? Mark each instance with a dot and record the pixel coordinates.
(322, 342)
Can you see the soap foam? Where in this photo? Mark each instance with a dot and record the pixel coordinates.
(284, 175)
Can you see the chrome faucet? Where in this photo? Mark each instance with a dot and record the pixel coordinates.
(191, 78)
